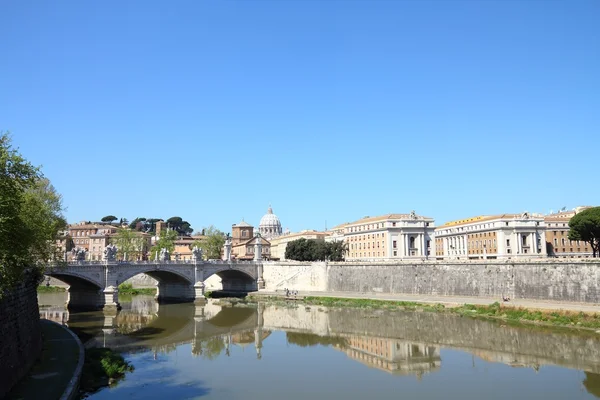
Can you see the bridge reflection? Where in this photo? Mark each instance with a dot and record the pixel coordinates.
(395, 342)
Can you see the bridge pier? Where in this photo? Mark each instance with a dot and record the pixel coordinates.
(111, 299)
(84, 299)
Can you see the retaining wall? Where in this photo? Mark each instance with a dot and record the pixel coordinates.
(20, 334)
(570, 281)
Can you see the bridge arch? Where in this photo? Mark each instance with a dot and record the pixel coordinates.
(174, 284)
(84, 293)
(234, 279)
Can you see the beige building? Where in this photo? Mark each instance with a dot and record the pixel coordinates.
(243, 242)
(393, 355)
(557, 236)
(391, 236)
(492, 237)
(279, 244)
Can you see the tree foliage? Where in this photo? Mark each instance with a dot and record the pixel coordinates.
(130, 243)
(315, 250)
(166, 240)
(109, 218)
(30, 217)
(178, 224)
(585, 226)
(213, 242)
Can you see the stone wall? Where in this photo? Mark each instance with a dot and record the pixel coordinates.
(20, 334)
(574, 281)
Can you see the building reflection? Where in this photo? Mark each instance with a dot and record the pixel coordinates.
(393, 355)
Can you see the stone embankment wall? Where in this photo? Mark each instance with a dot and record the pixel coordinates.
(20, 334)
(571, 281)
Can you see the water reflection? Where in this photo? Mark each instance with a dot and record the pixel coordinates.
(399, 343)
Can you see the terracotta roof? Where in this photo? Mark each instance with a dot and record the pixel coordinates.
(244, 224)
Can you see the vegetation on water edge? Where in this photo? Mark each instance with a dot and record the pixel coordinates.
(496, 311)
(127, 288)
(50, 289)
(102, 367)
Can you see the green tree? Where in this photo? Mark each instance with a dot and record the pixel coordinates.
(315, 250)
(585, 226)
(166, 240)
(213, 242)
(109, 218)
(182, 227)
(130, 243)
(30, 217)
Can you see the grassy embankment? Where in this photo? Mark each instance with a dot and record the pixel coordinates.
(127, 289)
(493, 311)
(102, 367)
(50, 289)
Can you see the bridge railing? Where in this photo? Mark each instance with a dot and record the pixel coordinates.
(152, 262)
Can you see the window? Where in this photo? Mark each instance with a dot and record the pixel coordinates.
(394, 244)
(393, 224)
(395, 253)
(507, 242)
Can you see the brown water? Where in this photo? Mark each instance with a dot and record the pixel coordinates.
(186, 351)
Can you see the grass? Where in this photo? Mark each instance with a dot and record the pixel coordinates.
(570, 319)
(127, 288)
(102, 367)
(50, 289)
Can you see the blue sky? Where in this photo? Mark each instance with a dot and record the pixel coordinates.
(328, 110)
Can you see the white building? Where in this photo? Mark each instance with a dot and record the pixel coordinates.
(391, 236)
(492, 237)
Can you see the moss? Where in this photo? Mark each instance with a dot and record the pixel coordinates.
(102, 367)
(127, 289)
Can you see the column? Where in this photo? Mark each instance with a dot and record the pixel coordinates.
(260, 282)
(423, 249)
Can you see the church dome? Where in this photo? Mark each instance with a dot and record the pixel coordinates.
(270, 226)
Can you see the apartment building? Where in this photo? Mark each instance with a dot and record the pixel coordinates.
(492, 237)
(390, 236)
(557, 236)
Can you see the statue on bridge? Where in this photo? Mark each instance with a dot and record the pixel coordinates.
(79, 253)
(197, 253)
(164, 255)
(110, 252)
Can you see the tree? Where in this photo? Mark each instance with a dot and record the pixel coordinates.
(129, 243)
(30, 217)
(182, 227)
(315, 250)
(166, 240)
(109, 218)
(585, 226)
(213, 242)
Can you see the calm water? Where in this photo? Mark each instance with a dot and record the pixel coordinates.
(186, 351)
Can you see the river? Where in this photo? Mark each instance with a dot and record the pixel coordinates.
(289, 352)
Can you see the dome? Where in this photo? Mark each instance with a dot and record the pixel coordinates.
(269, 226)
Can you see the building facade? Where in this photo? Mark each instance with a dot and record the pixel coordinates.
(492, 237)
(389, 237)
(557, 236)
(243, 242)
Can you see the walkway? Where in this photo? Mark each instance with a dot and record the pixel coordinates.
(449, 300)
(53, 372)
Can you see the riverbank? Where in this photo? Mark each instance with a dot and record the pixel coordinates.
(57, 372)
(582, 316)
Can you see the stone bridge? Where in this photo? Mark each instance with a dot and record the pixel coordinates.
(94, 285)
